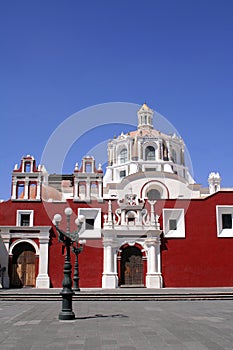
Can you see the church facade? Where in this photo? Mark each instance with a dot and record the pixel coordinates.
(147, 223)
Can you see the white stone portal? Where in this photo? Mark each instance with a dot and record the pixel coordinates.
(132, 220)
(41, 250)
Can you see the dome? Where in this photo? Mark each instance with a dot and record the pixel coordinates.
(50, 193)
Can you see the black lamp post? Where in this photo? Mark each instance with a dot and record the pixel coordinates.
(77, 249)
(67, 238)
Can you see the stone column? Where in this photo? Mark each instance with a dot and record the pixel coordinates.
(115, 261)
(153, 276)
(158, 258)
(88, 190)
(108, 257)
(151, 265)
(75, 188)
(115, 160)
(43, 280)
(38, 189)
(14, 188)
(4, 252)
(109, 276)
(123, 218)
(140, 156)
(26, 188)
(100, 190)
(129, 151)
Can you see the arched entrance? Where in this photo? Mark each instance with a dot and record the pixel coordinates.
(131, 267)
(23, 265)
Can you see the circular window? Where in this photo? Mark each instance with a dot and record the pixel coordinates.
(153, 194)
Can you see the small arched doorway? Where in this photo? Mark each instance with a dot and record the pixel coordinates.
(131, 267)
(23, 266)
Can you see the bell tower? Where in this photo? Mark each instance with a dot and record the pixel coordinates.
(88, 181)
(214, 182)
(27, 180)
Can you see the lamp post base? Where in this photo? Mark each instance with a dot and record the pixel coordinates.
(66, 313)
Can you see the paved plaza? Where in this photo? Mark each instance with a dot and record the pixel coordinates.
(112, 325)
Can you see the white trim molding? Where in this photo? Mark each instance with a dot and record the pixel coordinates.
(221, 230)
(95, 215)
(18, 217)
(173, 223)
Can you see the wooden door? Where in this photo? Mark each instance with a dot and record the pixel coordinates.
(131, 267)
(133, 271)
(23, 269)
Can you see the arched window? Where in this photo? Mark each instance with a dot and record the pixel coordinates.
(165, 152)
(123, 155)
(150, 153)
(27, 167)
(94, 189)
(20, 190)
(88, 167)
(153, 194)
(174, 157)
(32, 191)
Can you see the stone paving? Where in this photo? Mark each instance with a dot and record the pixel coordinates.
(111, 325)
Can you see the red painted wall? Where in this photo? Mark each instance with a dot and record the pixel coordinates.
(90, 264)
(201, 259)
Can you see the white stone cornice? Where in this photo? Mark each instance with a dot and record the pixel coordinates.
(152, 241)
(110, 242)
(5, 237)
(25, 228)
(41, 232)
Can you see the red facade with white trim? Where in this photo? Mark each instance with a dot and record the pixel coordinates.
(147, 223)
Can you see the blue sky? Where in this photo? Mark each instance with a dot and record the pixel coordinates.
(59, 57)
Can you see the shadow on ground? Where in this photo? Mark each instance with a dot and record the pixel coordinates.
(101, 316)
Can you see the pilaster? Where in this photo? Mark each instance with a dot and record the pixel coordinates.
(14, 188)
(4, 252)
(109, 276)
(153, 276)
(43, 280)
(38, 189)
(26, 188)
